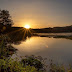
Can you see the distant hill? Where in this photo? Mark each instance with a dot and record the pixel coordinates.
(65, 29)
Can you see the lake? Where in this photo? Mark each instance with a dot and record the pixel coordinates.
(57, 49)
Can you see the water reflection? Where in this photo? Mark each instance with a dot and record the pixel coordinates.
(33, 44)
(59, 50)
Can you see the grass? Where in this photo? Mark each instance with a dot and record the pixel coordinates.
(59, 68)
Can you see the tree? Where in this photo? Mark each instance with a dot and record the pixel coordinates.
(5, 18)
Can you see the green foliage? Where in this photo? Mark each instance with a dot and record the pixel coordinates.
(9, 65)
(37, 62)
(5, 48)
(5, 18)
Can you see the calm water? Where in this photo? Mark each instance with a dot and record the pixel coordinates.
(58, 49)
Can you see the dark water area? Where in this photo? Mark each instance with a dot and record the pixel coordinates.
(57, 49)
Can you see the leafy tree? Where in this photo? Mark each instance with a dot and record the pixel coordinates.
(5, 18)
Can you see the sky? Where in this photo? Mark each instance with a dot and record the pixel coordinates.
(39, 13)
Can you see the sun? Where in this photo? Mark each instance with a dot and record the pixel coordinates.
(27, 26)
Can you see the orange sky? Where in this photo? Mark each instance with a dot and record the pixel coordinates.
(39, 13)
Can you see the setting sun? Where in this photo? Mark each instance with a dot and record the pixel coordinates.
(27, 26)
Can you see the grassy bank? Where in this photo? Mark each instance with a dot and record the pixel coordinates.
(25, 65)
(30, 64)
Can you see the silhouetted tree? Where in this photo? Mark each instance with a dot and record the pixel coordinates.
(5, 18)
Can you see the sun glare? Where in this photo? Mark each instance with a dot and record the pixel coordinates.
(27, 26)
